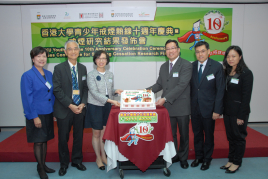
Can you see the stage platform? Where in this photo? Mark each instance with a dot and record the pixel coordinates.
(16, 149)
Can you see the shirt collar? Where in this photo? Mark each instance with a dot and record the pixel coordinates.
(204, 63)
(71, 65)
(174, 61)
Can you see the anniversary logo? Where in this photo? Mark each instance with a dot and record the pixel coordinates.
(142, 129)
(214, 23)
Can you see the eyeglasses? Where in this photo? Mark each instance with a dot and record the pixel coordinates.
(71, 49)
(200, 52)
(101, 59)
(172, 48)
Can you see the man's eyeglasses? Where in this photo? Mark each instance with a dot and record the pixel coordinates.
(72, 49)
(200, 52)
(172, 48)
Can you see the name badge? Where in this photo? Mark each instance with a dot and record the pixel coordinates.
(48, 85)
(76, 92)
(234, 80)
(84, 77)
(175, 74)
(110, 80)
(210, 77)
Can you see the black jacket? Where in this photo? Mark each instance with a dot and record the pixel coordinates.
(237, 96)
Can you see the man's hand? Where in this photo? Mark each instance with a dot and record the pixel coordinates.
(74, 108)
(160, 102)
(81, 107)
(240, 122)
(215, 116)
(37, 122)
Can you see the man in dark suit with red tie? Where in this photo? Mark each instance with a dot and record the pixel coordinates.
(207, 91)
(70, 90)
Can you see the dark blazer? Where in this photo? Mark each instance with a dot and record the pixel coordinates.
(62, 81)
(208, 93)
(237, 96)
(36, 97)
(176, 90)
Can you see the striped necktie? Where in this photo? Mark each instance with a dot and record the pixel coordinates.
(76, 98)
(171, 65)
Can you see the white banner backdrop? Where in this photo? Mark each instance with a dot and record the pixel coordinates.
(93, 14)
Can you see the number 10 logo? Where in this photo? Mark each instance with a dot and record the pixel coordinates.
(214, 22)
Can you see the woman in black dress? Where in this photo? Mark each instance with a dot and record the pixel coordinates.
(239, 83)
(38, 100)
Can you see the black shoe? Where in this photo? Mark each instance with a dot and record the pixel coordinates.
(224, 168)
(196, 162)
(229, 171)
(184, 164)
(102, 167)
(47, 170)
(79, 166)
(42, 174)
(205, 166)
(175, 159)
(62, 171)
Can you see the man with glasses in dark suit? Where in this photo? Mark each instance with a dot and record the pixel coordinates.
(70, 90)
(207, 91)
(174, 79)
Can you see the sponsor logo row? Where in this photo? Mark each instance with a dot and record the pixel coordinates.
(89, 15)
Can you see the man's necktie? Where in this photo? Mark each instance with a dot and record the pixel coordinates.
(76, 98)
(200, 73)
(171, 65)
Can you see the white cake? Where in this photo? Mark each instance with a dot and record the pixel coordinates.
(137, 100)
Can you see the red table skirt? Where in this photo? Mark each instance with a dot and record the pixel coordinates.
(140, 149)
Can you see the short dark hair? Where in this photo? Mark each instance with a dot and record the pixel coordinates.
(169, 41)
(200, 43)
(240, 66)
(36, 51)
(98, 54)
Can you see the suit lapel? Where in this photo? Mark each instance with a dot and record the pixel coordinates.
(79, 76)
(207, 67)
(195, 74)
(68, 71)
(38, 74)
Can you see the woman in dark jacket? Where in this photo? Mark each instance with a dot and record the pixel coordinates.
(239, 83)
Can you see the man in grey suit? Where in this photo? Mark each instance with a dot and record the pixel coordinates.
(174, 79)
(70, 90)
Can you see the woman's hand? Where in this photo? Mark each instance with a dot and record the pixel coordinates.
(240, 122)
(114, 102)
(37, 122)
(118, 91)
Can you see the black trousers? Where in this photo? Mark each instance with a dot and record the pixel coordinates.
(203, 129)
(64, 127)
(236, 135)
(183, 123)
